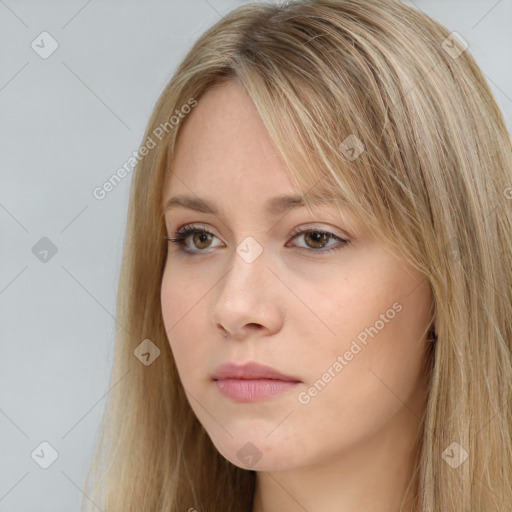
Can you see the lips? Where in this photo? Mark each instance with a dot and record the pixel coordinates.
(252, 382)
(251, 370)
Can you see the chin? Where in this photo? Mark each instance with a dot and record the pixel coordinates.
(258, 453)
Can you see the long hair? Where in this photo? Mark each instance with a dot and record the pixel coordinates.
(375, 104)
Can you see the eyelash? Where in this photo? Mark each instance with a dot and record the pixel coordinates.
(183, 233)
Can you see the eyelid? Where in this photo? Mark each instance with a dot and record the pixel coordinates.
(182, 233)
(328, 229)
(297, 230)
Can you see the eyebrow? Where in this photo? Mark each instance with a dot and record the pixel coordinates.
(275, 206)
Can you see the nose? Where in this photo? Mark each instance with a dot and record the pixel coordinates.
(248, 301)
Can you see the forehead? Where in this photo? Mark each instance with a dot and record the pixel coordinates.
(224, 127)
(224, 154)
(223, 147)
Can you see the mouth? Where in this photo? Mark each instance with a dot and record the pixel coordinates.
(252, 381)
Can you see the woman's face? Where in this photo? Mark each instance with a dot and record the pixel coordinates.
(345, 320)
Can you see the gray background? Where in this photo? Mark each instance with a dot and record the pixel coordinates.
(68, 123)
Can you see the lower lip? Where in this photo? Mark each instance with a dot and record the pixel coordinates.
(250, 390)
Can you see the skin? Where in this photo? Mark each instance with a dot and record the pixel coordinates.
(295, 309)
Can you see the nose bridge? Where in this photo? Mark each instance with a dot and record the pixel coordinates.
(247, 272)
(245, 296)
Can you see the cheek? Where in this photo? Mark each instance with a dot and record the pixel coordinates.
(181, 308)
(182, 295)
(376, 322)
(340, 311)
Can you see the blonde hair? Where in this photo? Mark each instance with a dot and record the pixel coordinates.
(432, 183)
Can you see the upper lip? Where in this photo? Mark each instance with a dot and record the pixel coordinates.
(250, 370)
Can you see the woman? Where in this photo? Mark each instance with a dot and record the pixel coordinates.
(348, 346)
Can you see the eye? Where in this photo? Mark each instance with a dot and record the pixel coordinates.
(201, 237)
(316, 239)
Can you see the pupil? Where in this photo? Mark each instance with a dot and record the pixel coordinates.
(317, 236)
(203, 237)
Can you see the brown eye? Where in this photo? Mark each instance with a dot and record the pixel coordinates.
(318, 238)
(201, 239)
